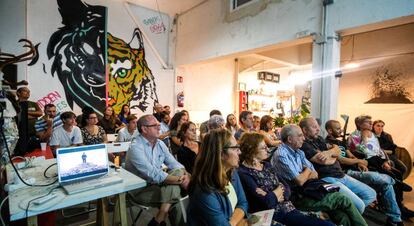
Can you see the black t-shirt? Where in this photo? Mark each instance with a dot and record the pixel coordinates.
(311, 148)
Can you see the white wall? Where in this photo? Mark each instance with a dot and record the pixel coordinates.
(206, 87)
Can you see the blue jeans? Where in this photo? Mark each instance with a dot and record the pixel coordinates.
(383, 184)
(361, 194)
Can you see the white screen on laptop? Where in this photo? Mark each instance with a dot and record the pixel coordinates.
(81, 162)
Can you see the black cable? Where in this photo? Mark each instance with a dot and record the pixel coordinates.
(44, 173)
(28, 204)
(14, 167)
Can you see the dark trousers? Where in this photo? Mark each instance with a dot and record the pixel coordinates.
(295, 217)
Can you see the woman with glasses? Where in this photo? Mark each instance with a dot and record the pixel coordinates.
(187, 153)
(264, 190)
(91, 133)
(216, 194)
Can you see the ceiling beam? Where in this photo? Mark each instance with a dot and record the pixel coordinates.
(282, 62)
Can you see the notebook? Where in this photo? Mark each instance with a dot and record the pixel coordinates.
(84, 168)
(118, 147)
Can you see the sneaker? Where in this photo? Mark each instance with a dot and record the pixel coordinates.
(406, 187)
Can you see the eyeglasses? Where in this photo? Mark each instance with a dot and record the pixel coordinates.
(153, 125)
(235, 146)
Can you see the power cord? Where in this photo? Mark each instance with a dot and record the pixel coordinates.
(14, 167)
(44, 173)
(1, 207)
(28, 204)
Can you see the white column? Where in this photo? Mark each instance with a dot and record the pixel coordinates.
(326, 61)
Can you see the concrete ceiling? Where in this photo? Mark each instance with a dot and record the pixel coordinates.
(170, 7)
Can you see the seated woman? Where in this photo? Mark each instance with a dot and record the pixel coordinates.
(387, 143)
(109, 122)
(216, 194)
(125, 112)
(175, 124)
(266, 126)
(231, 124)
(187, 153)
(91, 133)
(264, 190)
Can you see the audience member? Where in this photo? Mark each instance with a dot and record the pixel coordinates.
(187, 153)
(145, 160)
(216, 122)
(109, 122)
(204, 125)
(45, 125)
(246, 122)
(66, 135)
(129, 132)
(264, 189)
(186, 113)
(85, 110)
(363, 140)
(125, 112)
(157, 111)
(266, 128)
(216, 194)
(325, 159)
(167, 109)
(33, 110)
(387, 143)
(177, 120)
(165, 129)
(231, 124)
(256, 123)
(91, 133)
(358, 169)
(291, 164)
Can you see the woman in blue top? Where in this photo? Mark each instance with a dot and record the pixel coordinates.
(125, 112)
(216, 194)
(264, 190)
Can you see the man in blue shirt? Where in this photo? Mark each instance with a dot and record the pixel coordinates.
(45, 125)
(146, 159)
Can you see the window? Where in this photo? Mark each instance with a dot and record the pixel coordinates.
(236, 4)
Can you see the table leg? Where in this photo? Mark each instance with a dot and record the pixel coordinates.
(102, 216)
(120, 212)
(32, 221)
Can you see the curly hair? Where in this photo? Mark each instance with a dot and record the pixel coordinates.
(249, 144)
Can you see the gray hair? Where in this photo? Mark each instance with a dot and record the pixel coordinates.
(288, 130)
(215, 122)
(142, 121)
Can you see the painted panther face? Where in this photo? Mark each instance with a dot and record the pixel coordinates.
(130, 78)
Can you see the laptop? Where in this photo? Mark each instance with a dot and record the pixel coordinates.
(118, 147)
(84, 168)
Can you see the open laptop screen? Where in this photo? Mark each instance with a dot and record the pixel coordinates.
(81, 162)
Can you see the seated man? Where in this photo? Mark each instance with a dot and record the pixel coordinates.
(291, 165)
(145, 160)
(325, 159)
(246, 122)
(46, 124)
(204, 125)
(129, 132)
(363, 140)
(358, 169)
(66, 135)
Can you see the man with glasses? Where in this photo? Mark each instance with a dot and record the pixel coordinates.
(146, 159)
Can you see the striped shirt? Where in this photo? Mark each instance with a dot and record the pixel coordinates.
(290, 163)
(41, 124)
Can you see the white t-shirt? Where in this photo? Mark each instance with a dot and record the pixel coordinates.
(125, 136)
(232, 196)
(65, 139)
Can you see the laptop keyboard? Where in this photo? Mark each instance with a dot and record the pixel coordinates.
(92, 184)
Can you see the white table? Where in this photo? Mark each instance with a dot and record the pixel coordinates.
(18, 197)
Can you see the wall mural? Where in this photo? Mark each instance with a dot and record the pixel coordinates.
(130, 78)
(79, 61)
(389, 86)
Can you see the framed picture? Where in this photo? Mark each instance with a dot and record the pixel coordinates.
(242, 86)
(276, 78)
(269, 77)
(261, 75)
